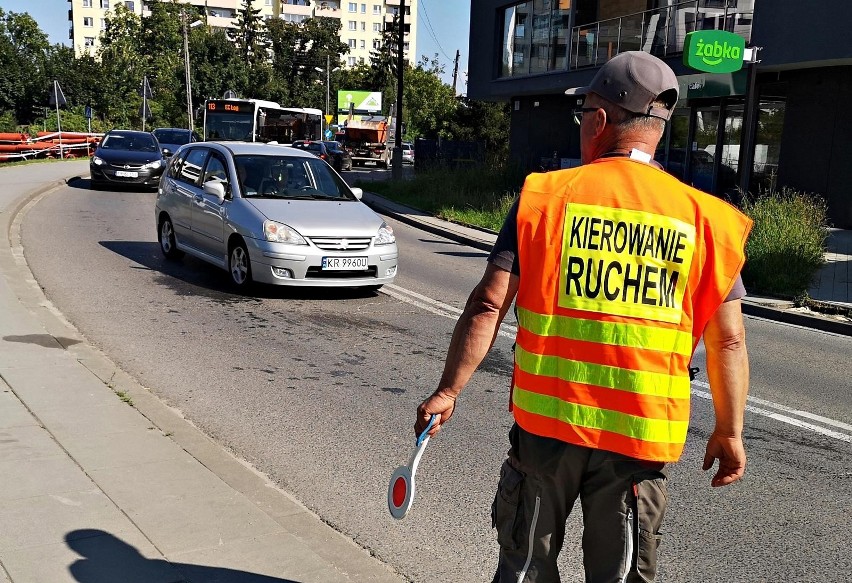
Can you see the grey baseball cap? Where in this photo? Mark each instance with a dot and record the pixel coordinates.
(634, 80)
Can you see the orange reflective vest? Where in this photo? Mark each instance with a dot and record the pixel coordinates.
(622, 266)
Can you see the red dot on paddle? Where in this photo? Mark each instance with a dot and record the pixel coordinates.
(400, 488)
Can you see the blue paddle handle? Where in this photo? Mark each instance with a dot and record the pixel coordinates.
(426, 431)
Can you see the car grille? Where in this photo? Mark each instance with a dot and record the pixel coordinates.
(126, 166)
(318, 273)
(341, 243)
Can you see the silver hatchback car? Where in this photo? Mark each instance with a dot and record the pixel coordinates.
(271, 214)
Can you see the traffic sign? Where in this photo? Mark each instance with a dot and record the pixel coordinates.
(328, 118)
(328, 134)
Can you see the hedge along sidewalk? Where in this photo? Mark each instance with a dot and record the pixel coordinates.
(764, 307)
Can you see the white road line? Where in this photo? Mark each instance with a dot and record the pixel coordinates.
(790, 410)
(447, 311)
(785, 419)
(437, 307)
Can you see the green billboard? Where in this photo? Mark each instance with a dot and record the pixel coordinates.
(713, 51)
(361, 102)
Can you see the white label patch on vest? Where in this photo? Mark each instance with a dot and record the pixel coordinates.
(625, 262)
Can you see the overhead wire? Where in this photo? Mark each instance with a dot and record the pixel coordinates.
(422, 4)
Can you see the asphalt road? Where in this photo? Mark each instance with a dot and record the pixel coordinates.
(318, 390)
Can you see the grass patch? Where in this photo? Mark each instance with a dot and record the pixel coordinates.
(787, 245)
(41, 161)
(125, 398)
(480, 197)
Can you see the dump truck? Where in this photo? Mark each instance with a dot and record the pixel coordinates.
(366, 141)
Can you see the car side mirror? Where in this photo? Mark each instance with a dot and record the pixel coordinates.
(215, 188)
(357, 192)
(167, 152)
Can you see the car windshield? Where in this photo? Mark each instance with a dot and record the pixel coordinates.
(134, 143)
(289, 177)
(177, 137)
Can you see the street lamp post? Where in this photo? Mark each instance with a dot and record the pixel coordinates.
(328, 71)
(186, 67)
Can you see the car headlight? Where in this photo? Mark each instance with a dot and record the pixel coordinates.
(97, 161)
(152, 165)
(281, 233)
(385, 235)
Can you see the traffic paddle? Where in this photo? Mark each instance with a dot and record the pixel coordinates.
(401, 486)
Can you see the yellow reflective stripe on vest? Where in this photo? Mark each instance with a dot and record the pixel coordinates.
(612, 377)
(655, 430)
(628, 335)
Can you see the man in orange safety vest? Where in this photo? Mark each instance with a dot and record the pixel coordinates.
(617, 270)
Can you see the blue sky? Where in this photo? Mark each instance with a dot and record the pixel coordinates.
(443, 27)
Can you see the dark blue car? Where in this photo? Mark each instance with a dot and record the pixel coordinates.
(173, 138)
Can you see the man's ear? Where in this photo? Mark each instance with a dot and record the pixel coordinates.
(599, 121)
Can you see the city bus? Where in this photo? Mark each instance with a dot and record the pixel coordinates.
(258, 120)
(311, 121)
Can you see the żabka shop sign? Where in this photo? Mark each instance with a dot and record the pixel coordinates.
(713, 51)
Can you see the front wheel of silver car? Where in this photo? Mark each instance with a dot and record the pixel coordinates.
(239, 265)
(167, 240)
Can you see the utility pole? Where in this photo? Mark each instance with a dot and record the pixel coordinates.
(186, 71)
(327, 83)
(455, 72)
(396, 174)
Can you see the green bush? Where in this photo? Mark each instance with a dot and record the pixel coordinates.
(473, 196)
(787, 243)
(7, 122)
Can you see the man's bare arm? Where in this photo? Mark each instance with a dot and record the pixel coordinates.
(473, 336)
(727, 369)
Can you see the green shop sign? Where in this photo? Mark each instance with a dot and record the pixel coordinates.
(713, 51)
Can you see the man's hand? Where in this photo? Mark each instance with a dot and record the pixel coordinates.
(731, 455)
(438, 404)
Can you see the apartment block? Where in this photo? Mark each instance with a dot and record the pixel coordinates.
(362, 22)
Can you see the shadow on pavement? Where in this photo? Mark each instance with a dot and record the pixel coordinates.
(86, 184)
(108, 558)
(44, 340)
(192, 277)
(462, 253)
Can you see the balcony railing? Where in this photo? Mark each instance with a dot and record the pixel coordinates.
(660, 31)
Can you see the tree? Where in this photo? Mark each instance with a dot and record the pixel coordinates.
(250, 36)
(300, 53)
(216, 65)
(383, 60)
(122, 56)
(23, 48)
(429, 106)
(483, 121)
(162, 45)
(75, 76)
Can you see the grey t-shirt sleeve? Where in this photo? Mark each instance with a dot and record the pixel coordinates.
(504, 254)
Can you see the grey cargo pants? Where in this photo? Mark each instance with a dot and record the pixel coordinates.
(623, 501)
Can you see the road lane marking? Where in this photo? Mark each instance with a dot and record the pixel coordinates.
(786, 418)
(437, 307)
(790, 410)
(447, 311)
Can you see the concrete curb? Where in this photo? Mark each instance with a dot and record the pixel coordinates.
(815, 322)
